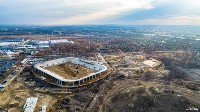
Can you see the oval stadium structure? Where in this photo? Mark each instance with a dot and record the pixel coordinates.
(58, 76)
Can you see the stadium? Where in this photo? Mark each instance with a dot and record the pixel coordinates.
(70, 71)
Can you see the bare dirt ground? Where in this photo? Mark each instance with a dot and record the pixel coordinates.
(138, 96)
(70, 70)
(12, 99)
(57, 99)
(144, 90)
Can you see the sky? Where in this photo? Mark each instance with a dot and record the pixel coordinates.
(75, 12)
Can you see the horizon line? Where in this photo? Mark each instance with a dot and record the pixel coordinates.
(93, 25)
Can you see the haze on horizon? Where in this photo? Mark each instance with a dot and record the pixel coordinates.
(72, 12)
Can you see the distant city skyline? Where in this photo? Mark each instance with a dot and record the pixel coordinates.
(75, 12)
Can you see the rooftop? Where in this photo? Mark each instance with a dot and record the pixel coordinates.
(30, 104)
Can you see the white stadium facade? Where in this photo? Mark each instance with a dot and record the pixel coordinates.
(64, 82)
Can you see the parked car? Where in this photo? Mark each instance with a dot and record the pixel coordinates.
(3, 82)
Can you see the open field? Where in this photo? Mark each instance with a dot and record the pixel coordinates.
(70, 70)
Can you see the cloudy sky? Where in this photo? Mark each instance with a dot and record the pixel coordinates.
(63, 12)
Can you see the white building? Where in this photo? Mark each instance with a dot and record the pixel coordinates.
(45, 42)
(12, 41)
(30, 104)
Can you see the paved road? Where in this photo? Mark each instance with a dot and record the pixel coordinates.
(12, 77)
(169, 51)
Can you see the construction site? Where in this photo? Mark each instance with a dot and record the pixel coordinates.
(132, 80)
(77, 78)
(29, 88)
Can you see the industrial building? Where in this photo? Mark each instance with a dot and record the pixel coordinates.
(12, 41)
